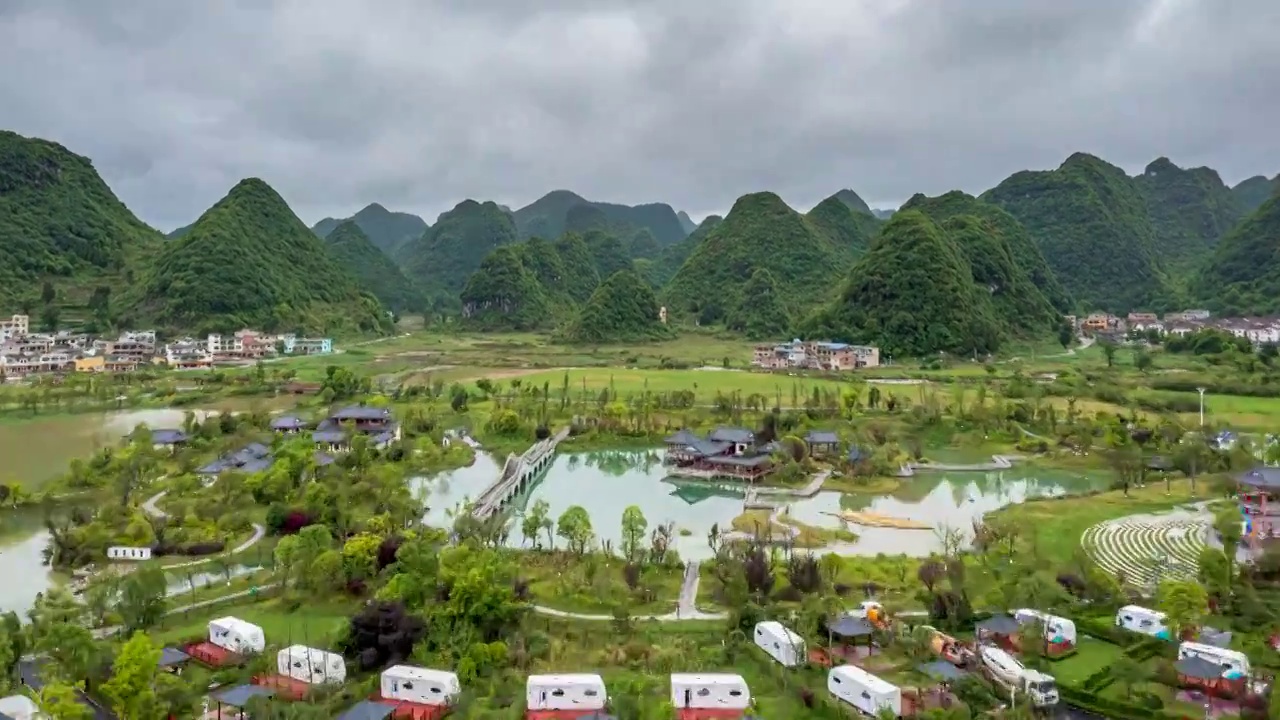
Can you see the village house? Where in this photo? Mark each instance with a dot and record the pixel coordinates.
(725, 452)
(1136, 318)
(289, 424)
(292, 345)
(15, 327)
(90, 364)
(240, 345)
(187, 354)
(168, 440)
(252, 458)
(1099, 322)
(334, 433)
(815, 355)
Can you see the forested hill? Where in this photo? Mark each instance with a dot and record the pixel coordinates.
(387, 230)
(760, 232)
(445, 255)
(1190, 210)
(1090, 220)
(1022, 249)
(547, 217)
(377, 275)
(60, 221)
(914, 293)
(250, 262)
(1251, 193)
(1243, 276)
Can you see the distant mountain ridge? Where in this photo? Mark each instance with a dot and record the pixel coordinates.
(387, 230)
(546, 216)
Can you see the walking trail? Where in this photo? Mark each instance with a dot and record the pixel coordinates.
(686, 608)
(149, 507)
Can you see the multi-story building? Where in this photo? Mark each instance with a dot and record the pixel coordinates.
(240, 345)
(15, 327)
(293, 345)
(815, 355)
(187, 355)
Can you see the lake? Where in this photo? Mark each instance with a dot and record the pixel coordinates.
(33, 452)
(608, 481)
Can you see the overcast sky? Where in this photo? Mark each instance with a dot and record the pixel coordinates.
(418, 104)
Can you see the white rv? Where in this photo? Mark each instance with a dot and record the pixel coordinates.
(864, 691)
(577, 691)
(1056, 629)
(419, 685)
(20, 707)
(781, 643)
(1143, 620)
(236, 635)
(1234, 663)
(722, 691)
(311, 665)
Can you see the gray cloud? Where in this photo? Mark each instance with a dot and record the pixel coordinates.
(418, 105)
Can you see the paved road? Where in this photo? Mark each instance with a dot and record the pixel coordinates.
(149, 507)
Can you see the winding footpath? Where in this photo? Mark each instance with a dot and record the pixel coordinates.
(150, 508)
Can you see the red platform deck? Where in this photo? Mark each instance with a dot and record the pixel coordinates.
(406, 710)
(710, 714)
(563, 714)
(206, 653)
(286, 687)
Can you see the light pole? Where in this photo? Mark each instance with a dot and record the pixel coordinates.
(1201, 391)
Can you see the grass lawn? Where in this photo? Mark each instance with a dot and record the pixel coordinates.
(598, 585)
(1091, 656)
(314, 624)
(704, 383)
(1059, 522)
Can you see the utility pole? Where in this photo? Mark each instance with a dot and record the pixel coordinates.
(1201, 391)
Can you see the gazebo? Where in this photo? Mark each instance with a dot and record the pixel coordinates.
(1200, 674)
(999, 629)
(369, 710)
(172, 660)
(850, 638)
(1259, 490)
(237, 698)
(822, 443)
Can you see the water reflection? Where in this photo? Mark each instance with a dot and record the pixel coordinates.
(606, 482)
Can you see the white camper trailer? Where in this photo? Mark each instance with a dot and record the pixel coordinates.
(577, 691)
(311, 665)
(1056, 629)
(236, 635)
(1234, 663)
(19, 707)
(419, 685)
(1143, 620)
(864, 691)
(781, 643)
(722, 691)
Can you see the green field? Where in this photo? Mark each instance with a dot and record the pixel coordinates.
(705, 383)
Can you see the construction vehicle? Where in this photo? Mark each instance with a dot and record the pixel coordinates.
(1006, 672)
(873, 612)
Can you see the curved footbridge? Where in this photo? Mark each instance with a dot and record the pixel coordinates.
(518, 473)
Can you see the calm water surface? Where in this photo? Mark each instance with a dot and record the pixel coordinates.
(34, 451)
(606, 482)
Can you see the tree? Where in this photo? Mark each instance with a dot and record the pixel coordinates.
(1109, 351)
(58, 700)
(534, 520)
(634, 527)
(1128, 672)
(47, 293)
(142, 598)
(1142, 360)
(131, 689)
(574, 526)
(382, 633)
(1065, 334)
(1184, 602)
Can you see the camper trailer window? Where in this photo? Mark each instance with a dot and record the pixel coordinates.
(436, 690)
(590, 693)
(1128, 618)
(865, 696)
(836, 680)
(735, 693)
(557, 693)
(407, 685)
(297, 663)
(704, 692)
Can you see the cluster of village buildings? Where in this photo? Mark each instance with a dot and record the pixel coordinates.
(1258, 330)
(23, 352)
(815, 355)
